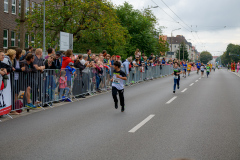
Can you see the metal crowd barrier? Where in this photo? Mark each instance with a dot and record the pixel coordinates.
(45, 88)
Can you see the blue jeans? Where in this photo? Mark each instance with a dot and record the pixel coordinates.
(176, 82)
(66, 92)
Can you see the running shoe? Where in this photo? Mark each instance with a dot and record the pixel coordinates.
(173, 91)
(178, 87)
(123, 109)
(31, 106)
(116, 106)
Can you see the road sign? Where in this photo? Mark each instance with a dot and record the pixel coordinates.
(66, 41)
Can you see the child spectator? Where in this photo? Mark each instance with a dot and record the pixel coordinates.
(63, 84)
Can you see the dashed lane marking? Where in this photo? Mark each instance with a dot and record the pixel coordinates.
(184, 90)
(141, 124)
(170, 101)
(191, 84)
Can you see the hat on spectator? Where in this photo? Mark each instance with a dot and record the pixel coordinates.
(71, 64)
(118, 56)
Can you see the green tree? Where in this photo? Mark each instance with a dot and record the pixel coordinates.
(141, 25)
(182, 46)
(93, 23)
(205, 57)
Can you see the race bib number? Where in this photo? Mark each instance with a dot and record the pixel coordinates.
(117, 81)
(175, 77)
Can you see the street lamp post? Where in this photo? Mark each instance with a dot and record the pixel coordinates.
(44, 38)
(171, 38)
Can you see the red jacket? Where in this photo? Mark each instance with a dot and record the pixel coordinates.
(66, 61)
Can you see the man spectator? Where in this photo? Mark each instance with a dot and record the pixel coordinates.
(28, 68)
(89, 55)
(50, 52)
(151, 57)
(38, 62)
(57, 60)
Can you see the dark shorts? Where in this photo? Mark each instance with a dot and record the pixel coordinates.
(202, 71)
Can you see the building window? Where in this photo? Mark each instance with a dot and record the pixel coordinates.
(19, 6)
(175, 46)
(32, 39)
(26, 40)
(12, 38)
(6, 6)
(27, 6)
(33, 5)
(5, 38)
(13, 6)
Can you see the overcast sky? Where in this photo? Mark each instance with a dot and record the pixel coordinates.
(214, 23)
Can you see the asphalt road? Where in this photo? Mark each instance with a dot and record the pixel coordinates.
(202, 123)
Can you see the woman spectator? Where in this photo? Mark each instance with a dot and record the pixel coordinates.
(9, 57)
(69, 57)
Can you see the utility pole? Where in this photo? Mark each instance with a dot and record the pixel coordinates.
(44, 37)
(22, 21)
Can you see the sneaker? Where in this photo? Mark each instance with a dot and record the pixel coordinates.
(123, 108)
(68, 100)
(173, 91)
(116, 106)
(31, 106)
(178, 87)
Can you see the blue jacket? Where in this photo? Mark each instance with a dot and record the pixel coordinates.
(69, 72)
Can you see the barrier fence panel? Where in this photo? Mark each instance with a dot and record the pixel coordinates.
(44, 88)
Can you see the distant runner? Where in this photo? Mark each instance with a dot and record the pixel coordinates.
(198, 67)
(189, 66)
(184, 69)
(117, 85)
(202, 70)
(208, 68)
(176, 72)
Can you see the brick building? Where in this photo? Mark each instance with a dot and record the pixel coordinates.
(9, 12)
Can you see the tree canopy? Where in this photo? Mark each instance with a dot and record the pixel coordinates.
(141, 26)
(96, 25)
(232, 54)
(205, 57)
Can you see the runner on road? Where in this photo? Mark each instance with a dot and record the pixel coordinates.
(208, 68)
(176, 72)
(210, 65)
(184, 69)
(198, 67)
(117, 85)
(202, 70)
(189, 66)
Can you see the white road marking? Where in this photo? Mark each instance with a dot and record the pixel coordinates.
(141, 124)
(196, 81)
(184, 90)
(170, 101)
(199, 78)
(191, 84)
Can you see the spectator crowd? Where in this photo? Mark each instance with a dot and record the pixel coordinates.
(36, 78)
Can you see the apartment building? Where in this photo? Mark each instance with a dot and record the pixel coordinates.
(9, 12)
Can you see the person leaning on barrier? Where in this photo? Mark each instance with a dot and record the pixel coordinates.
(27, 67)
(49, 63)
(17, 84)
(38, 60)
(57, 60)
